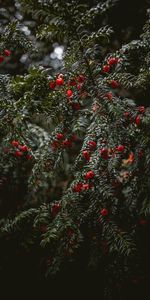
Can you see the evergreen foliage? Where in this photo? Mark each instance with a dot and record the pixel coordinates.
(75, 145)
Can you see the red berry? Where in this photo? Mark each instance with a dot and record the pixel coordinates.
(114, 84)
(18, 153)
(141, 109)
(92, 145)
(89, 175)
(143, 222)
(86, 186)
(126, 114)
(138, 120)
(106, 69)
(1, 58)
(81, 78)
(109, 96)
(86, 154)
(104, 212)
(7, 52)
(76, 106)
(78, 187)
(15, 143)
(60, 81)
(72, 82)
(112, 61)
(29, 156)
(79, 86)
(67, 143)
(52, 85)
(104, 153)
(69, 93)
(43, 228)
(55, 145)
(120, 148)
(59, 136)
(23, 148)
(55, 209)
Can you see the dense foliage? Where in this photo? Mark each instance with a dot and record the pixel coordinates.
(75, 144)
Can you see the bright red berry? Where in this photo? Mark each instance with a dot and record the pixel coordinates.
(29, 156)
(60, 81)
(141, 109)
(112, 61)
(109, 95)
(120, 148)
(15, 143)
(79, 86)
(114, 84)
(59, 136)
(104, 153)
(7, 52)
(138, 120)
(92, 145)
(78, 187)
(81, 78)
(69, 93)
(55, 209)
(106, 69)
(18, 153)
(52, 85)
(1, 58)
(89, 175)
(67, 143)
(86, 186)
(23, 148)
(86, 154)
(104, 212)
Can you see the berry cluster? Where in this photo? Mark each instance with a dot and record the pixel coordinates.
(6, 53)
(70, 88)
(61, 141)
(21, 150)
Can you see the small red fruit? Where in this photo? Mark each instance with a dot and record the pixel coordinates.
(86, 154)
(52, 85)
(60, 81)
(7, 52)
(76, 106)
(120, 148)
(81, 78)
(1, 58)
(104, 153)
(106, 69)
(86, 186)
(69, 93)
(114, 84)
(112, 61)
(92, 145)
(104, 212)
(89, 175)
(126, 114)
(59, 136)
(23, 148)
(141, 109)
(15, 143)
(18, 153)
(78, 187)
(72, 82)
(138, 120)
(109, 95)
(55, 209)
(67, 143)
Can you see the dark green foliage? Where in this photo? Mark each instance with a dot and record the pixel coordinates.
(56, 206)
